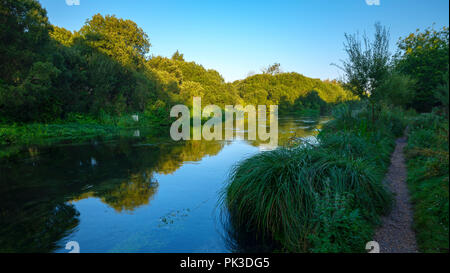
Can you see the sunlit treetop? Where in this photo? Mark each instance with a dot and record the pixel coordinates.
(427, 39)
(120, 39)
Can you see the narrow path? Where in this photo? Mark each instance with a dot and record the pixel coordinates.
(396, 234)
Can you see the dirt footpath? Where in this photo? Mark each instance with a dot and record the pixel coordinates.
(396, 234)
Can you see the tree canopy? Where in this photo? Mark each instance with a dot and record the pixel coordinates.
(49, 72)
(120, 39)
(424, 57)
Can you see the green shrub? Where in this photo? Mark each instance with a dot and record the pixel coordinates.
(337, 222)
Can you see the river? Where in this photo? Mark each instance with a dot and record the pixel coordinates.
(132, 194)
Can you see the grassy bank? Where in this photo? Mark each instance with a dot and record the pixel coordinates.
(427, 159)
(324, 198)
(76, 128)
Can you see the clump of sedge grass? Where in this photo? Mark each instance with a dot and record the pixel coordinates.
(276, 194)
(280, 195)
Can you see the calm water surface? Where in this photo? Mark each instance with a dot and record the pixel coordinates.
(135, 194)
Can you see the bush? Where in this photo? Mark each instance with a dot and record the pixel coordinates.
(396, 89)
(337, 222)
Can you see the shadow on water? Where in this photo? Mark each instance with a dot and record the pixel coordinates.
(42, 195)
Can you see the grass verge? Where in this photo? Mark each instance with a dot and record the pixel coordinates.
(428, 181)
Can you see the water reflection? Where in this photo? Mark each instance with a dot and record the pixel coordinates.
(136, 191)
(43, 196)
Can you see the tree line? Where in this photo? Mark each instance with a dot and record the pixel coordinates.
(49, 72)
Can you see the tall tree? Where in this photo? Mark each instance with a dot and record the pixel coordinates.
(120, 39)
(24, 31)
(424, 57)
(367, 63)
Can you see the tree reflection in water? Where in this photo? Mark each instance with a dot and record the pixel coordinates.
(38, 191)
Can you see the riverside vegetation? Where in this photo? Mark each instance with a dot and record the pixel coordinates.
(329, 197)
(324, 198)
(427, 157)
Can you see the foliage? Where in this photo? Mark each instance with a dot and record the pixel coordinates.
(368, 62)
(428, 170)
(291, 91)
(442, 94)
(62, 36)
(71, 72)
(424, 57)
(177, 56)
(337, 222)
(396, 89)
(120, 39)
(24, 31)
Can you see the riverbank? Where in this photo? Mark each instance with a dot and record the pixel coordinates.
(323, 198)
(78, 128)
(75, 129)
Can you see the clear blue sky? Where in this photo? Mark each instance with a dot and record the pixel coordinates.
(238, 36)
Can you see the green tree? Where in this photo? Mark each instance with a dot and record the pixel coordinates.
(120, 39)
(367, 65)
(36, 98)
(49, 72)
(396, 89)
(62, 35)
(24, 31)
(424, 57)
(166, 64)
(189, 90)
(368, 61)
